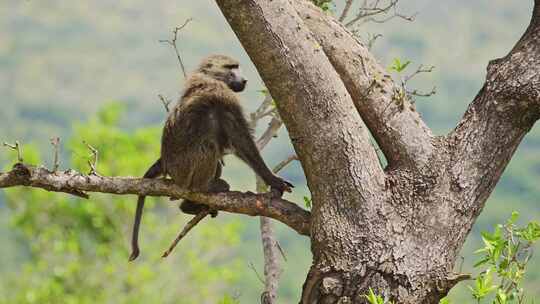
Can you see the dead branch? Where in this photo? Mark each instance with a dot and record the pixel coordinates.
(17, 147)
(415, 92)
(284, 163)
(94, 160)
(262, 111)
(252, 267)
(76, 183)
(346, 9)
(372, 38)
(55, 142)
(421, 69)
(166, 102)
(273, 127)
(271, 248)
(172, 42)
(369, 11)
(192, 223)
(272, 267)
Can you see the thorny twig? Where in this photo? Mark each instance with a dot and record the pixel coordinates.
(17, 147)
(172, 43)
(92, 163)
(166, 102)
(192, 223)
(55, 142)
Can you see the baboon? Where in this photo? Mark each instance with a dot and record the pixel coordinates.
(207, 123)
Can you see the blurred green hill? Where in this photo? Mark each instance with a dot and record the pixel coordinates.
(62, 61)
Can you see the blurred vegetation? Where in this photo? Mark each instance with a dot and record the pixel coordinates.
(75, 250)
(60, 62)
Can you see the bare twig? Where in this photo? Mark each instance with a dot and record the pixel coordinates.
(17, 147)
(419, 93)
(372, 38)
(192, 223)
(273, 127)
(281, 251)
(368, 12)
(252, 267)
(173, 41)
(415, 92)
(284, 163)
(55, 142)
(92, 162)
(346, 9)
(421, 69)
(395, 15)
(261, 110)
(166, 102)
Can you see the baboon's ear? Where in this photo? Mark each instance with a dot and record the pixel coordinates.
(208, 65)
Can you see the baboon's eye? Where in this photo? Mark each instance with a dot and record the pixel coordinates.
(231, 66)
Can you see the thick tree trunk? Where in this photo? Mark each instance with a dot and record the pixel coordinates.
(397, 231)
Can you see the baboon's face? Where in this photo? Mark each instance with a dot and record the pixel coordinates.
(225, 69)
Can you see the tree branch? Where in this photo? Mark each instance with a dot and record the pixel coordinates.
(311, 99)
(192, 223)
(398, 129)
(271, 248)
(173, 43)
(496, 121)
(346, 9)
(235, 202)
(271, 131)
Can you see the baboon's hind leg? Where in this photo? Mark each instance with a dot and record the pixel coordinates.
(216, 184)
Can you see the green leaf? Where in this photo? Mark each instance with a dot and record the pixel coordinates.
(531, 233)
(501, 297)
(481, 262)
(373, 298)
(444, 300)
(398, 66)
(483, 285)
(513, 218)
(307, 202)
(227, 299)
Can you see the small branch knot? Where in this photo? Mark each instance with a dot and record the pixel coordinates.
(332, 286)
(21, 170)
(444, 285)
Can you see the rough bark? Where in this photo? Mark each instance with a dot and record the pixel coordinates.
(396, 126)
(398, 231)
(235, 202)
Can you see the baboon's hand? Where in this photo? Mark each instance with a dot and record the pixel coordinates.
(278, 185)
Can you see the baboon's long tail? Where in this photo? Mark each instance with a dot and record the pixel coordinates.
(154, 171)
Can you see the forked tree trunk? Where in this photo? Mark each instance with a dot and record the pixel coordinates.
(398, 229)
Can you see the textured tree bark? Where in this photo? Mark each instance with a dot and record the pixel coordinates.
(397, 231)
(76, 183)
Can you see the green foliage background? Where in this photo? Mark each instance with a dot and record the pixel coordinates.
(61, 62)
